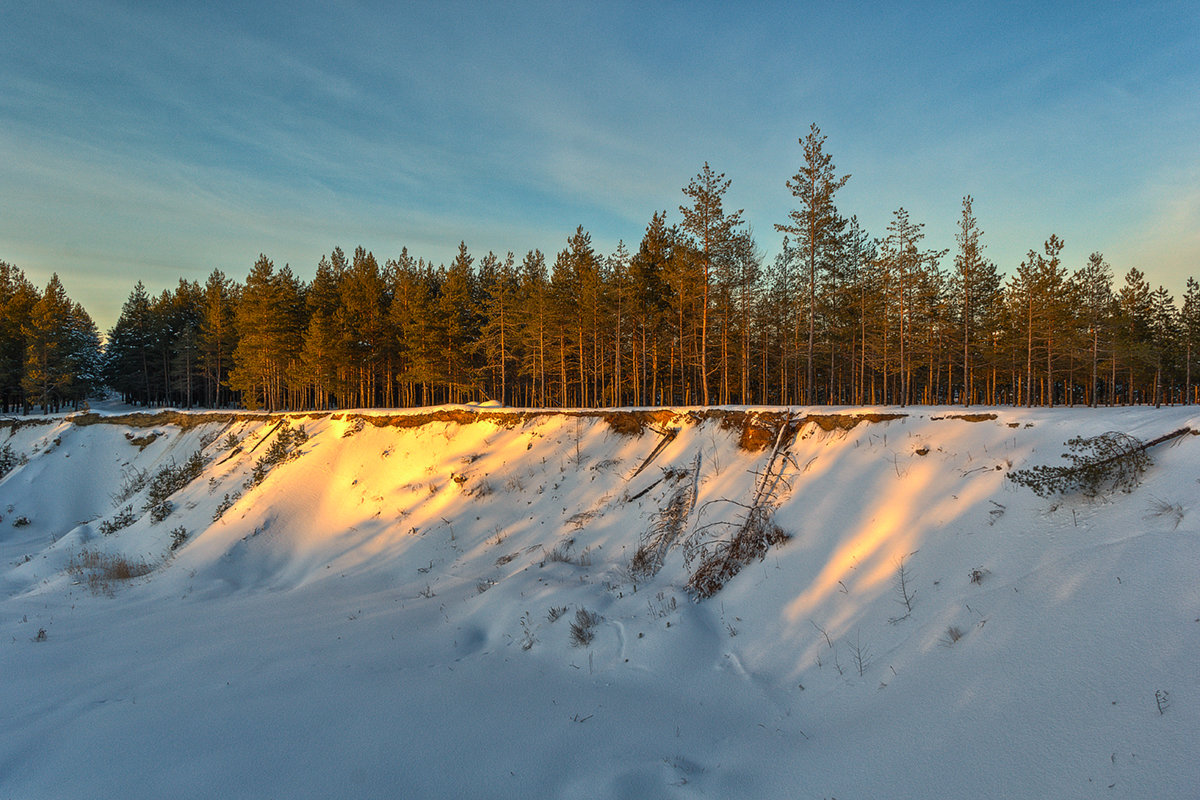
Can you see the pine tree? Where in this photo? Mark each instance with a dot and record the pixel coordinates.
(619, 299)
(978, 286)
(904, 264)
(187, 312)
(17, 299)
(416, 317)
(1190, 334)
(1093, 290)
(269, 324)
(712, 236)
(217, 335)
(129, 352)
(651, 293)
(1134, 311)
(323, 359)
(1052, 288)
(363, 318)
(816, 226)
(82, 361)
(47, 379)
(533, 321)
(498, 333)
(1164, 333)
(460, 321)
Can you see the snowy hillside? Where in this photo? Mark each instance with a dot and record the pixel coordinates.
(494, 603)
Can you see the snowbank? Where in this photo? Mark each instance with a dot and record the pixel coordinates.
(389, 604)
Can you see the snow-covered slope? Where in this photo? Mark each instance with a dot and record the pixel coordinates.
(394, 607)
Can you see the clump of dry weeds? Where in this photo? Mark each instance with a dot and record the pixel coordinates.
(101, 570)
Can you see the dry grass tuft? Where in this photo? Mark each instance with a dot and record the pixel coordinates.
(583, 627)
(100, 570)
(953, 634)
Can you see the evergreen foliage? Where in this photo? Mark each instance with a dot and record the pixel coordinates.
(169, 480)
(8, 460)
(1112, 461)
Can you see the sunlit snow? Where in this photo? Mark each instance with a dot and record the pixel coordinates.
(388, 612)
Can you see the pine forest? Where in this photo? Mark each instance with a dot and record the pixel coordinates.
(694, 315)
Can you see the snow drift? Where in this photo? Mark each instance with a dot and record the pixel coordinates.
(488, 602)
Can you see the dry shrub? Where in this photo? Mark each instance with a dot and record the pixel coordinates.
(668, 523)
(100, 570)
(968, 417)
(722, 561)
(582, 628)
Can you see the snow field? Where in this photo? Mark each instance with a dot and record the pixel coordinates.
(388, 613)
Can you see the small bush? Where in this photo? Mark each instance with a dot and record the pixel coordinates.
(122, 519)
(160, 510)
(8, 460)
(226, 504)
(281, 449)
(178, 537)
(555, 612)
(169, 480)
(21, 522)
(583, 627)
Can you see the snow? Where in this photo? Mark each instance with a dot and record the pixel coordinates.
(373, 619)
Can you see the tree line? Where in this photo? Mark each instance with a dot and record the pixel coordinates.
(50, 349)
(695, 315)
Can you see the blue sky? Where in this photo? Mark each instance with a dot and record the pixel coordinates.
(160, 141)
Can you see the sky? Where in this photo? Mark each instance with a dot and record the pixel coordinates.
(161, 141)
